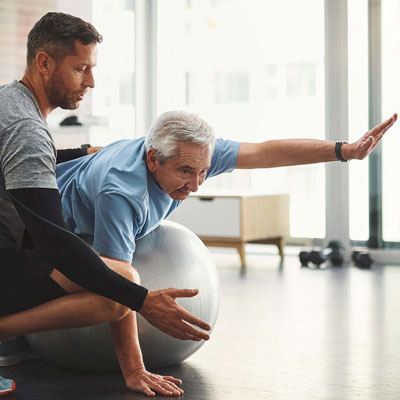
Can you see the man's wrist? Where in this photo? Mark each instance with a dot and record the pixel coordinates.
(84, 148)
(342, 151)
(346, 151)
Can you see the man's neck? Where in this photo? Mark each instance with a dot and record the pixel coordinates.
(36, 86)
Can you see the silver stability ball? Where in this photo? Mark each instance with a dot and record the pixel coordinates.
(169, 256)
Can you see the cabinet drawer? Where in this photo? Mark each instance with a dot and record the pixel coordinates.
(210, 216)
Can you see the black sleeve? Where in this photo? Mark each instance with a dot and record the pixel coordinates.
(70, 154)
(40, 210)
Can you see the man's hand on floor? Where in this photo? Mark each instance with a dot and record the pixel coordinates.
(150, 384)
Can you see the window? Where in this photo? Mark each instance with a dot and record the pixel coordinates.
(358, 116)
(108, 111)
(255, 73)
(374, 195)
(390, 104)
(115, 91)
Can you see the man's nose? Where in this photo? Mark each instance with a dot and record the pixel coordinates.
(193, 184)
(89, 79)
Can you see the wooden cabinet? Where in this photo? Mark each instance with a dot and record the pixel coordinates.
(227, 220)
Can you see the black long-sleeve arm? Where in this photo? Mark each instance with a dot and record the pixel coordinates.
(40, 210)
(70, 154)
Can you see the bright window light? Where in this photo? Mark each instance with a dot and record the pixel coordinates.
(255, 73)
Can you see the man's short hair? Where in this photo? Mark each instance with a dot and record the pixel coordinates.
(178, 126)
(56, 33)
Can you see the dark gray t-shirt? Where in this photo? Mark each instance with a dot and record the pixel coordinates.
(27, 156)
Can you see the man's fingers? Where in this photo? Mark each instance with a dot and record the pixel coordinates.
(148, 392)
(367, 146)
(187, 336)
(385, 124)
(179, 332)
(171, 318)
(166, 386)
(192, 319)
(174, 380)
(194, 332)
(171, 387)
(388, 127)
(183, 292)
(184, 331)
(171, 382)
(379, 136)
(187, 316)
(159, 388)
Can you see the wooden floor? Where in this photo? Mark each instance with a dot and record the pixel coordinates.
(282, 333)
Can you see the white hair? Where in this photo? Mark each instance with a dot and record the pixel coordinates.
(178, 126)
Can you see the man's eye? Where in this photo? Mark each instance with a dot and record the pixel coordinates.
(185, 171)
(80, 70)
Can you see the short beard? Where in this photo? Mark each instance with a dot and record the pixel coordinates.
(56, 93)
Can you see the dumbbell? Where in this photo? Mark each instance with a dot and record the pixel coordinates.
(362, 259)
(313, 257)
(335, 253)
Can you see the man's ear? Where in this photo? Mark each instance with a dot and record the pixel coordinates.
(152, 161)
(44, 63)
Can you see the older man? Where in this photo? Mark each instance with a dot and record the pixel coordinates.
(125, 190)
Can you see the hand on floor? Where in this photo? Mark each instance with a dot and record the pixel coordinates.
(151, 384)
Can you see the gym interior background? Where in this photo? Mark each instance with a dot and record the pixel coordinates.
(258, 70)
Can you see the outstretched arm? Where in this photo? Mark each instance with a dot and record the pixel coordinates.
(280, 153)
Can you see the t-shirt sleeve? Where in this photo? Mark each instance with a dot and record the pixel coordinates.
(28, 157)
(224, 157)
(115, 226)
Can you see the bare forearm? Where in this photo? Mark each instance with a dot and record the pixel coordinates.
(279, 153)
(124, 331)
(126, 343)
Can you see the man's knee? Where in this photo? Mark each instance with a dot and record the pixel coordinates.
(114, 311)
(136, 276)
(128, 272)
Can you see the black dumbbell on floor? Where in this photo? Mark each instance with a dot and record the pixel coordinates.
(312, 258)
(362, 259)
(334, 253)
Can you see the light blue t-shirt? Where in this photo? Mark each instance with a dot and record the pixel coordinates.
(112, 196)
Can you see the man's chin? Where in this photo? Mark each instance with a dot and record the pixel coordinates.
(69, 106)
(179, 195)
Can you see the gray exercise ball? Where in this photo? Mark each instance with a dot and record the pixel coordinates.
(169, 256)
